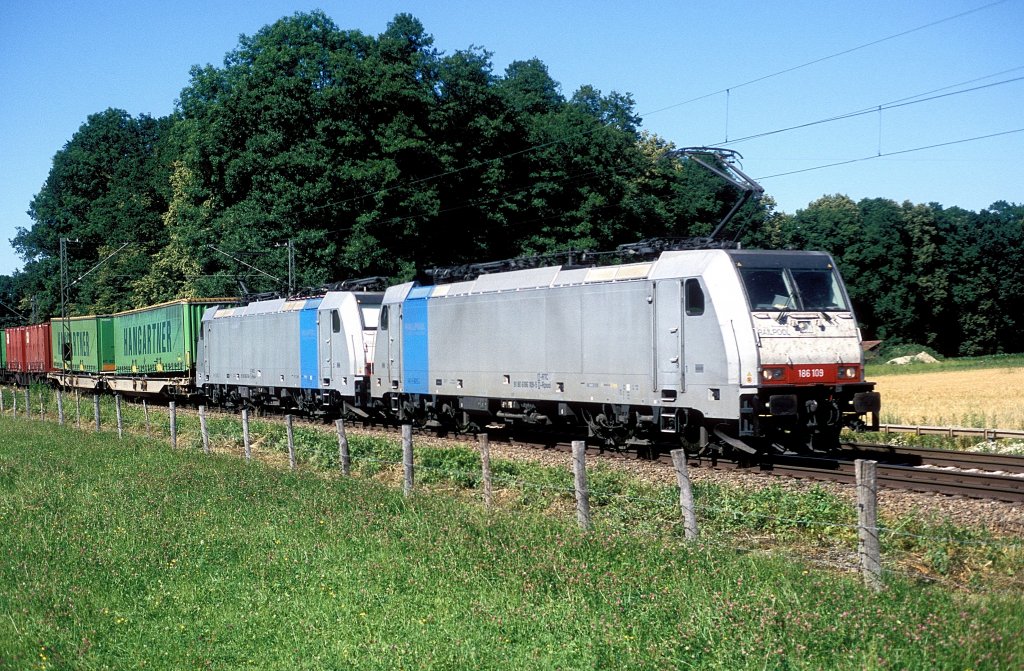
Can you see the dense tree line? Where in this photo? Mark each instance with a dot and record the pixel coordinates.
(947, 278)
(381, 155)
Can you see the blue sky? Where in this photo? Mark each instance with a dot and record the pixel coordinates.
(61, 61)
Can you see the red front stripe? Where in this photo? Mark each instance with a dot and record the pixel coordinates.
(815, 373)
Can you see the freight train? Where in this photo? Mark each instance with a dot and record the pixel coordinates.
(708, 349)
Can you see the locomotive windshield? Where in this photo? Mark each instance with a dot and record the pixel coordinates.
(777, 289)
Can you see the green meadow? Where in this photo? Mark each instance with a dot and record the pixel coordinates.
(122, 554)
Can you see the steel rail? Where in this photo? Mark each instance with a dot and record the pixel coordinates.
(928, 456)
(977, 485)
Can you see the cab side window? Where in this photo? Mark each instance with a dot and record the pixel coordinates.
(384, 318)
(694, 297)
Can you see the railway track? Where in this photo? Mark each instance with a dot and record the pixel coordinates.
(976, 475)
(972, 483)
(927, 456)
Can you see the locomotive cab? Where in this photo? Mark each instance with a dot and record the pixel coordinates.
(808, 381)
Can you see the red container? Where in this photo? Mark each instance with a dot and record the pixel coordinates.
(29, 349)
(15, 336)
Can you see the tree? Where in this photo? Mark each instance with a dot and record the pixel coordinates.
(529, 89)
(875, 263)
(930, 276)
(985, 254)
(106, 188)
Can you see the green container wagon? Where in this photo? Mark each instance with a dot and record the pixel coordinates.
(3, 349)
(91, 344)
(160, 341)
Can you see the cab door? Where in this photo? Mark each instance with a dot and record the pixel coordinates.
(668, 337)
(389, 347)
(326, 320)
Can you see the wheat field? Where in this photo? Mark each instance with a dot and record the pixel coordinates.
(988, 397)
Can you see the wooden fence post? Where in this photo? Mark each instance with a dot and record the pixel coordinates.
(60, 407)
(203, 430)
(291, 442)
(485, 468)
(1, 400)
(685, 494)
(579, 469)
(172, 418)
(42, 404)
(868, 546)
(14, 399)
(145, 412)
(245, 434)
(344, 458)
(28, 404)
(117, 408)
(407, 464)
(78, 409)
(96, 409)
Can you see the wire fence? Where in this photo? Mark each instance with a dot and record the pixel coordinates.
(722, 527)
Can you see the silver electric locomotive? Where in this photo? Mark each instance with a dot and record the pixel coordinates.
(757, 350)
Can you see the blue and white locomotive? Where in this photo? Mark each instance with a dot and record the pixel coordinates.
(757, 350)
(312, 354)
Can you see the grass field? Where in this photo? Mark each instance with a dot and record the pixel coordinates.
(126, 554)
(970, 393)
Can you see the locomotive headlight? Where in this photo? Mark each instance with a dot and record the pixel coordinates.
(773, 374)
(849, 372)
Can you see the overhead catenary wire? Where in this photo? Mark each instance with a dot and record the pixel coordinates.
(477, 163)
(471, 203)
(828, 57)
(902, 102)
(893, 153)
(963, 83)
